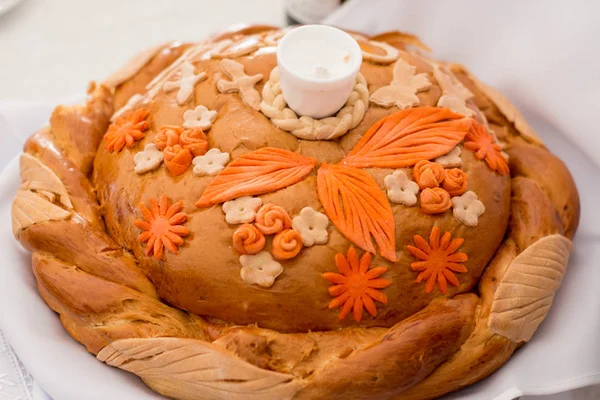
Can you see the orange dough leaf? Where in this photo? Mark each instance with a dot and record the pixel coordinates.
(358, 208)
(261, 171)
(402, 139)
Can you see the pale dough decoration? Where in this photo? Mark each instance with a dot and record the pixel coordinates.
(241, 210)
(148, 160)
(400, 189)
(260, 269)
(273, 38)
(527, 290)
(452, 159)
(390, 55)
(37, 177)
(239, 47)
(479, 116)
(218, 47)
(30, 208)
(160, 80)
(211, 371)
(200, 117)
(402, 90)
(191, 54)
(186, 83)
(312, 226)
(454, 94)
(467, 208)
(133, 66)
(211, 163)
(274, 106)
(240, 82)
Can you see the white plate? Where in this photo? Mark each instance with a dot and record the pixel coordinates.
(563, 355)
(62, 367)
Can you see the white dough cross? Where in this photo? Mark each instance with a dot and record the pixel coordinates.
(240, 82)
(186, 83)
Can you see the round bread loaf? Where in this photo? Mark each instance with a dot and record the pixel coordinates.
(189, 227)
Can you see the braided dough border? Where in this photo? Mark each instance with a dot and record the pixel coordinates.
(273, 105)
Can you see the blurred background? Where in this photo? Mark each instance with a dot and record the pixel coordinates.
(542, 54)
(54, 48)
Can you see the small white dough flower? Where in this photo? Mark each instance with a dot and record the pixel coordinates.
(467, 208)
(312, 226)
(452, 159)
(241, 210)
(200, 117)
(400, 189)
(260, 269)
(211, 163)
(148, 159)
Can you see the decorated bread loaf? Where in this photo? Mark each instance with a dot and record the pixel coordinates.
(188, 226)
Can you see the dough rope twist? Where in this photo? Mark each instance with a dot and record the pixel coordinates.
(273, 105)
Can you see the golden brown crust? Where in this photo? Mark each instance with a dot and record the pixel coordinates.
(78, 130)
(360, 363)
(81, 192)
(242, 29)
(77, 243)
(483, 352)
(419, 346)
(403, 356)
(138, 81)
(532, 214)
(551, 174)
(99, 311)
(239, 129)
(400, 40)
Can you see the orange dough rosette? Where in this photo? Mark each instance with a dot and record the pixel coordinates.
(286, 244)
(177, 159)
(271, 219)
(194, 140)
(455, 181)
(428, 174)
(435, 201)
(248, 240)
(168, 135)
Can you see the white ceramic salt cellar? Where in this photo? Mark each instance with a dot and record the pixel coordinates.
(318, 65)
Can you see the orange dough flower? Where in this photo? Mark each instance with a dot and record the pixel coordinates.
(162, 226)
(272, 219)
(478, 140)
(355, 288)
(248, 240)
(177, 159)
(435, 201)
(180, 146)
(126, 130)
(428, 174)
(455, 181)
(194, 140)
(168, 135)
(286, 244)
(439, 260)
